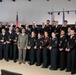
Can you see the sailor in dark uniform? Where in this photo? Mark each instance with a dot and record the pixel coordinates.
(45, 49)
(53, 25)
(53, 51)
(15, 39)
(9, 45)
(65, 26)
(7, 28)
(41, 28)
(34, 28)
(62, 46)
(71, 55)
(48, 27)
(38, 51)
(56, 29)
(3, 44)
(27, 28)
(68, 32)
(31, 47)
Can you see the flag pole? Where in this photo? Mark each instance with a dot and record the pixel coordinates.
(16, 12)
(63, 15)
(52, 18)
(16, 18)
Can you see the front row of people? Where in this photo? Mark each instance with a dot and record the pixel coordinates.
(62, 51)
(59, 50)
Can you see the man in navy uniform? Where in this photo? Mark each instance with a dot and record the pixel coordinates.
(15, 40)
(71, 55)
(9, 45)
(3, 45)
(62, 46)
(48, 27)
(64, 26)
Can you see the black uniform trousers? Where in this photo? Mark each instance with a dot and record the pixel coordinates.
(62, 59)
(15, 53)
(45, 57)
(2, 51)
(71, 60)
(32, 56)
(54, 53)
(38, 56)
(9, 51)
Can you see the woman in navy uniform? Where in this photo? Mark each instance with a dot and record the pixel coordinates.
(45, 49)
(68, 33)
(62, 46)
(53, 51)
(71, 55)
(38, 51)
(32, 44)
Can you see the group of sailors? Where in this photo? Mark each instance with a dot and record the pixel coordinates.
(46, 45)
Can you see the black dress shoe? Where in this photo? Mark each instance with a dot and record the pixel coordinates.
(38, 64)
(52, 68)
(7, 60)
(44, 67)
(62, 69)
(14, 61)
(68, 70)
(72, 72)
(31, 63)
(1, 58)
